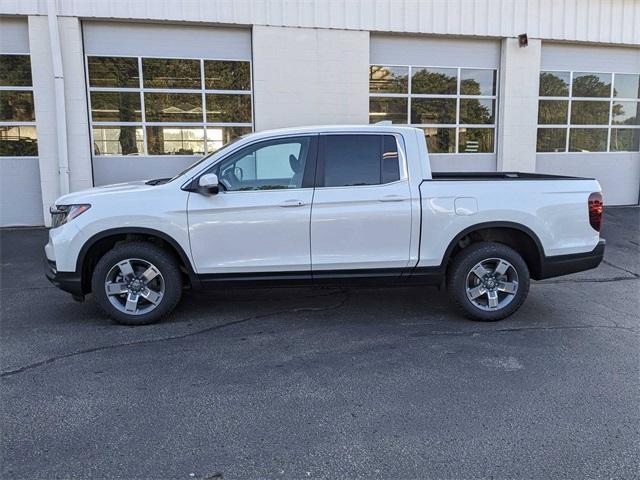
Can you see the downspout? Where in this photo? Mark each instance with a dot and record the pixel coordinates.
(58, 79)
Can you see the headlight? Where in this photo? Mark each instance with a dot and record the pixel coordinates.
(61, 214)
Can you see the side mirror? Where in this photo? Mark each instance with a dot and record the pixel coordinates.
(208, 184)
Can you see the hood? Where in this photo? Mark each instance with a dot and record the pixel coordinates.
(98, 193)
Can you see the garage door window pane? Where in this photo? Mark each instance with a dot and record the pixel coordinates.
(440, 140)
(115, 107)
(18, 141)
(437, 81)
(591, 84)
(588, 140)
(173, 107)
(475, 140)
(476, 111)
(175, 141)
(227, 75)
(388, 79)
(217, 137)
(117, 140)
(15, 71)
(627, 85)
(171, 73)
(625, 140)
(16, 106)
(586, 112)
(625, 113)
(433, 110)
(477, 82)
(229, 108)
(554, 84)
(552, 140)
(117, 72)
(390, 109)
(552, 112)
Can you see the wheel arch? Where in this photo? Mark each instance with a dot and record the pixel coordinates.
(515, 235)
(103, 241)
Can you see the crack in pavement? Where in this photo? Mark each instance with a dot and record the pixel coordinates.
(50, 360)
(519, 329)
(589, 280)
(606, 262)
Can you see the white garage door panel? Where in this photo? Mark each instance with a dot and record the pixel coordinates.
(20, 193)
(109, 170)
(14, 35)
(425, 51)
(165, 41)
(478, 162)
(386, 49)
(182, 41)
(618, 173)
(590, 58)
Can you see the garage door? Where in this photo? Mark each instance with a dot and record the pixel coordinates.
(162, 96)
(447, 87)
(589, 117)
(20, 197)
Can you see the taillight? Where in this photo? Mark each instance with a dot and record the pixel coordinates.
(596, 209)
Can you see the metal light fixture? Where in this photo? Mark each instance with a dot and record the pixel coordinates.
(523, 41)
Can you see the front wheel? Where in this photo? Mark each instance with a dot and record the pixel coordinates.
(137, 283)
(488, 281)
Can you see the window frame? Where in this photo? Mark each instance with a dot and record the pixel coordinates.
(568, 126)
(457, 96)
(22, 88)
(141, 90)
(402, 159)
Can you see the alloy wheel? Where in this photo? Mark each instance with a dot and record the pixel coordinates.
(134, 286)
(492, 284)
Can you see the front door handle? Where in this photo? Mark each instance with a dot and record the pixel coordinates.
(392, 198)
(292, 203)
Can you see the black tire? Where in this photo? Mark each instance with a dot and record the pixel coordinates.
(459, 275)
(162, 260)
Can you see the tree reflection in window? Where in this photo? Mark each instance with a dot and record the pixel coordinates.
(388, 79)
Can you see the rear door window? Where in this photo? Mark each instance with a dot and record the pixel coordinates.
(358, 160)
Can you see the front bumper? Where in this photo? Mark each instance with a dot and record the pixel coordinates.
(577, 262)
(70, 282)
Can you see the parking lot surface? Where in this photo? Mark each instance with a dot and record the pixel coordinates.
(324, 383)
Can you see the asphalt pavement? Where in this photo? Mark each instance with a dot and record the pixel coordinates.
(326, 383)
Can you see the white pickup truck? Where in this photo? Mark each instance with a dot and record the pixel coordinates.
(323, 205)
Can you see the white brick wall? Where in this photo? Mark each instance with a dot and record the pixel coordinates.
(45, 106)
(306, 76)
(78, 140)
(518, 105)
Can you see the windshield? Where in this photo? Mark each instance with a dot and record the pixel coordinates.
(206, 157)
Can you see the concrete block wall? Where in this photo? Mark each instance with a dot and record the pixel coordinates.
(306, 76)
(518, 105)
(78, 139)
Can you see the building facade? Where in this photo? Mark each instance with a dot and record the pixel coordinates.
(99, 92)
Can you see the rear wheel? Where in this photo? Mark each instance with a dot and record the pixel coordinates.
(137, 283)
(488, 281)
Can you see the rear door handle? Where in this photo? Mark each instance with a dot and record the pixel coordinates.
(392, 198)
(292, 203)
